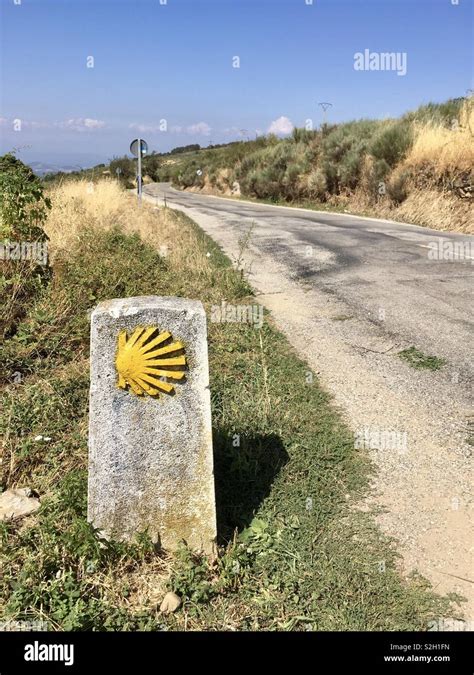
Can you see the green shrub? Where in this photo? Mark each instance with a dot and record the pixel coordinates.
(151, 165)
(23, 211)
(374, 176)
(292, 186)
(193, 147)
(302, 135)
(127, 169)
(392, 142)
(23, 206)
(343, 150)
(189, 176)
(317, 184)
(443, 113)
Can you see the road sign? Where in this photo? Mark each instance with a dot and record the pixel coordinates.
(199, 172)
(134, 147)
(139, 148)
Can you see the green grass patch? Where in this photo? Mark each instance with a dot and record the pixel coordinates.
(415, 358)
(294, 554)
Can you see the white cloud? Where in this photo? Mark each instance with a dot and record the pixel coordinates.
(199, 129)
(235, 131)
(82, 124)
(76, 124)
(145, 128)
(93, 124)
(281, 127)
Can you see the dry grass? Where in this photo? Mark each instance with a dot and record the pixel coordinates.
(439, 210)
(437, 175)
(104, 205)
(448, 151)
(425, 206)
(144, 582)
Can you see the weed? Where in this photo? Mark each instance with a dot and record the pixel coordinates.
(421, 361)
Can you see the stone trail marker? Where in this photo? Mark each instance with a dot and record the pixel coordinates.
(150, 438)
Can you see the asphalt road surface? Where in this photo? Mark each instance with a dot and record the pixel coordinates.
(350, 293)
(368, 264)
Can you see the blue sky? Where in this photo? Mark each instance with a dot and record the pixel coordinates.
(174, 62)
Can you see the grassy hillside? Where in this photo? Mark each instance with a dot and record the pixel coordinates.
(417, 168)
(294, 554)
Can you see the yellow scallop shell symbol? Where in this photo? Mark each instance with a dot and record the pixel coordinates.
(146, 357)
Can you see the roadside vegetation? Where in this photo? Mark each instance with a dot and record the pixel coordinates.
(294, 551)
(417, 168)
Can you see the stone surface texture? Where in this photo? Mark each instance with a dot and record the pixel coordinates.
(171, 602)
(150, 458)
(16, 503)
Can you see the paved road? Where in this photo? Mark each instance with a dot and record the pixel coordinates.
(350, 293)
(380, 269)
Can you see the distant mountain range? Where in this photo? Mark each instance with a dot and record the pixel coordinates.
(42, 168)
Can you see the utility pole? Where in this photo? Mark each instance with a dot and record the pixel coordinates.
(325, 106)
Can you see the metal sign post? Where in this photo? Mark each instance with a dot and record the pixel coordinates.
(139, 148)
(139, 174)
